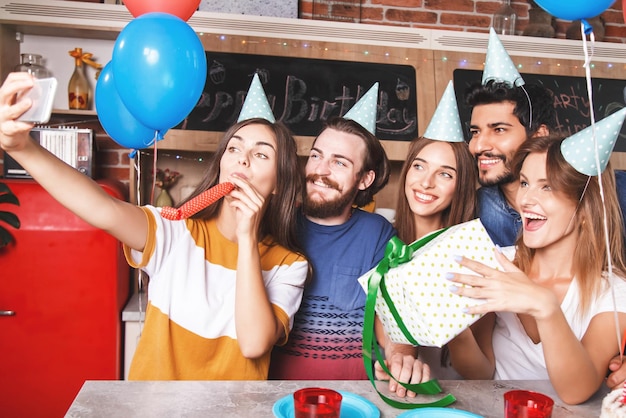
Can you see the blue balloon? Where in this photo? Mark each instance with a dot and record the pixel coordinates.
(159, 66)
(116, 120)
(575, 9)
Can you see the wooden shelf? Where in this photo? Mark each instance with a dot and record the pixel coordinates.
(176, 139)
(74, 112)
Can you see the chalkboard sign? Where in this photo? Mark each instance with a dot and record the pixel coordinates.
(305, 92)
(570, 99)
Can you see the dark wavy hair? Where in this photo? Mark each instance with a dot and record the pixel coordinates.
(375, 157)
(279, 218)
(541, 101)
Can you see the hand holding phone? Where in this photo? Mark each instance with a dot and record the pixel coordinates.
(42, 95)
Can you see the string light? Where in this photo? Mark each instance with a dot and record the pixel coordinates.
(178, 156)
(465, 61)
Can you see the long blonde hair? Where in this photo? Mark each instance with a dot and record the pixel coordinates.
(590, 256)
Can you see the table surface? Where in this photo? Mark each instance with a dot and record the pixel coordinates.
(256, 398)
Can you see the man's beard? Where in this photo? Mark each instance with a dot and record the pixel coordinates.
(503, 178)
(322, 209)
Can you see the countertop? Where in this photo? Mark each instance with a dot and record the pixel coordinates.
(256, 398)
(131, 311)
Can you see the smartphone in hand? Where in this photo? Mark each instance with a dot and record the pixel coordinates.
(42, 95)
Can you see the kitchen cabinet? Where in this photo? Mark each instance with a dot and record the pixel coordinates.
(133, 317)
(63, 285)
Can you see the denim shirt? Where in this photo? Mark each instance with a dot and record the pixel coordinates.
(501, 221)
(620, 186)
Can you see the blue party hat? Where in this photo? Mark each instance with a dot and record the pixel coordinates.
(578, 149)
(256, 104)
(445, 124)
(498, 64)
(364, 111)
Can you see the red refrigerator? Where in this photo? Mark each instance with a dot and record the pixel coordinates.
(63, 285)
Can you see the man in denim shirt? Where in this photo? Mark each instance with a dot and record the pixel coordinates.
(501, 121)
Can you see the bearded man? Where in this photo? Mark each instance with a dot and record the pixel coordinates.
(347, 166)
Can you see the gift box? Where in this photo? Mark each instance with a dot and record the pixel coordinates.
(419, 290)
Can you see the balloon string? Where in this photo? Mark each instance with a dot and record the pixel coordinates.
(530, 108)
(586, 29)
(154, 170)
(137, 164)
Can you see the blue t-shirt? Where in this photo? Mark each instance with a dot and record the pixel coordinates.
(503, 223)
(326, 340)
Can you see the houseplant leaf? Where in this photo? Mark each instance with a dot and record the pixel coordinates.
(6, 196)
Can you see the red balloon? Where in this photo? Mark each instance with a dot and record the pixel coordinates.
(181, 8)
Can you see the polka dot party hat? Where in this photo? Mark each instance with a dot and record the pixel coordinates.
(578, 149)
(364, 111)
(445, 124)
(498, 64)
(256, 104)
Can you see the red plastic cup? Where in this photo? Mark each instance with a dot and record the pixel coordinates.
(527, 404)
(317, 403)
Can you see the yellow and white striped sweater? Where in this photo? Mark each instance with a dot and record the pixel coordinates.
(189, 332)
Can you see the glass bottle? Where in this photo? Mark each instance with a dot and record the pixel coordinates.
(504, 19)
(78, 87)
(33, 64)
(164, 199)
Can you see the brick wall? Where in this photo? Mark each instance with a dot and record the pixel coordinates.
(461, 15)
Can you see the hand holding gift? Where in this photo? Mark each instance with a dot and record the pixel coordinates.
(502, 290)
(417, 292)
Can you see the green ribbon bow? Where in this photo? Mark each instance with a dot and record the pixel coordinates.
(396, 253)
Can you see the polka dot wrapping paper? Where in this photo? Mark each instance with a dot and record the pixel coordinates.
(420, 291)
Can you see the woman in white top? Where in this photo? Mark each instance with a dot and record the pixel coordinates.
(555, 313)
(224, 284)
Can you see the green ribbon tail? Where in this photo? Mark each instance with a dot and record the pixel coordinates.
(396, 253)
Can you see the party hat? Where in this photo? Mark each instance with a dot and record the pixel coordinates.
(578, 149)
(498, 64)
(256, 104)
(364, 111)
(445, 124)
